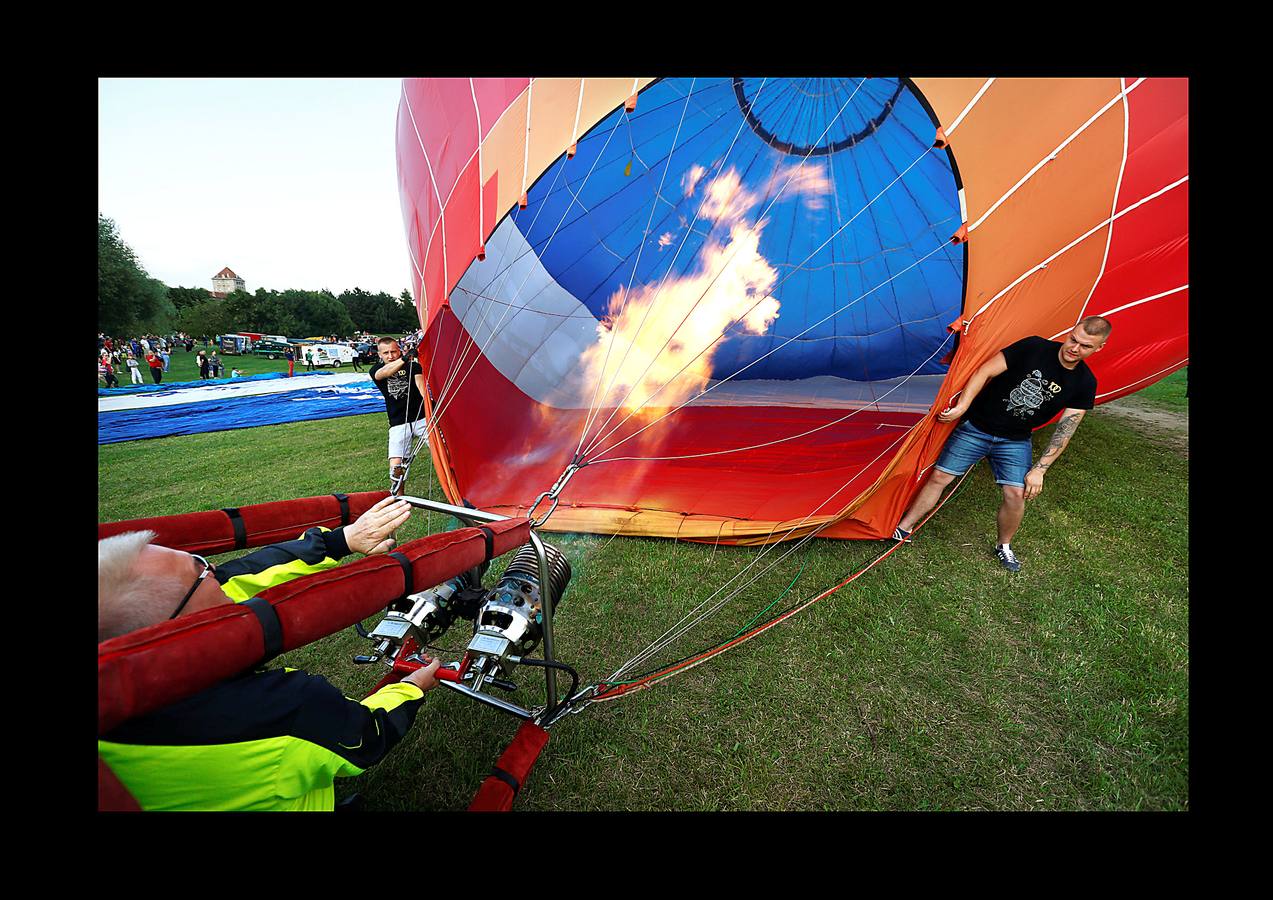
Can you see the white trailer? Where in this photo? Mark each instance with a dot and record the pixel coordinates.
(330, 354)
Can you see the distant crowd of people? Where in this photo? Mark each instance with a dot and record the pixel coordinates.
(153, 353)
(116, 354)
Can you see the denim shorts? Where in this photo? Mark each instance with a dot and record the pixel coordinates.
(1009, 459)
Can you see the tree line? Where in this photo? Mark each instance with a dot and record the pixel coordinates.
(130, 302)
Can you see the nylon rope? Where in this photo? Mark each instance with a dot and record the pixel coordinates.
(873, 403)
(594, 407)
(1121, 95)
(600, 437)
(649, 679)
(449, 385)
(697, 615)
(446, 403)
(654, 202)
(592, 444)
(1118, 186)
(1078, 240)
(834, 313)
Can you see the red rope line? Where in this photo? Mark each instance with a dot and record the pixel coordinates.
(685, 664)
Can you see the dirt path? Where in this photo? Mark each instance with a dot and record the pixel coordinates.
(1171, 428)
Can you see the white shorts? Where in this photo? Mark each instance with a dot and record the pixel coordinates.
(401, 437)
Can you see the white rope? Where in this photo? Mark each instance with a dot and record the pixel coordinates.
(1170, 368)
(794, 337)
(1118, 186)
(873, 404)
(481, 182)
(663, 283)
(654, 202)
(1121, 95)
(594, 405)
(1118, 309)
(574, 132)
(1078, 240)
(437, 195)
(521, 287)
(697, 615)
(967, 109)
(530, 93)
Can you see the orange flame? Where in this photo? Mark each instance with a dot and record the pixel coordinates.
(656, 343)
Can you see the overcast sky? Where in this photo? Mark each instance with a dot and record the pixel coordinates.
(289, 182)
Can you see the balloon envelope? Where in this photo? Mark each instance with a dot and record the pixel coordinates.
(734, 301)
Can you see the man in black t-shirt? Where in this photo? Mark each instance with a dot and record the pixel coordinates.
(401, 382)
(1014, 392)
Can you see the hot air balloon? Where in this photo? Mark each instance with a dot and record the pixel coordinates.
(724, 309)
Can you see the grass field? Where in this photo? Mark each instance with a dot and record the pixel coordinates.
(935, 681)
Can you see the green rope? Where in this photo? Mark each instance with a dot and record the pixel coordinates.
(776, 599)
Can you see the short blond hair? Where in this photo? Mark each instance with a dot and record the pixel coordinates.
(1096, 326)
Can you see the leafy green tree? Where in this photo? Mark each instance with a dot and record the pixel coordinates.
(406, 316)
(206, 319)
(129, 301)
(184, 297)
(361, 306)
(319, 313)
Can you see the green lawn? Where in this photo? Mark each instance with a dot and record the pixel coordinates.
(1170, 393)
(936, 681)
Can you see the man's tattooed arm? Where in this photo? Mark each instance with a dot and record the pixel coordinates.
(1065, 429)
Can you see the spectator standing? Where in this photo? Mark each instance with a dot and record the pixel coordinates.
(156, 366)
(108, 371)
(214, 365)
(291, 362)
(164, 355)
(203, 366)
(134, 370)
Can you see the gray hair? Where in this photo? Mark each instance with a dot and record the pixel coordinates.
(127, 601)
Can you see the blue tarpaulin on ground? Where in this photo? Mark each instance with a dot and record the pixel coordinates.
(148, 388)
(224, 404)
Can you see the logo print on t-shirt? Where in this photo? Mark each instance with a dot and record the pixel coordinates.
(398, 385)
(1025, 399)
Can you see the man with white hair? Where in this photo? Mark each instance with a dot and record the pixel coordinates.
(273, 739)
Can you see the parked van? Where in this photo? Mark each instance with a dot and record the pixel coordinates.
(273, 349)
(330, 354)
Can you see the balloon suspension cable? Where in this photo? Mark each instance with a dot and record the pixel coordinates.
(613, 688)
(554, 493)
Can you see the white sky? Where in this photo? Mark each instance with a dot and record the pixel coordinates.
(289, 182)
